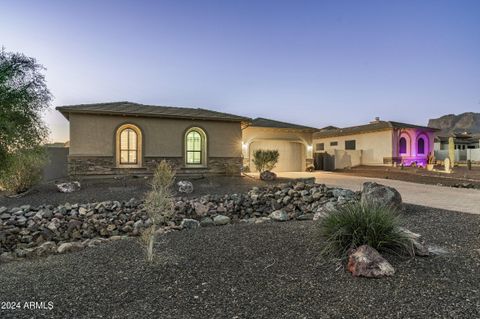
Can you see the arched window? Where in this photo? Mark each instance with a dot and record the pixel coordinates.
(129, 145)
(195, 147)
(421, 146)
(403, 145)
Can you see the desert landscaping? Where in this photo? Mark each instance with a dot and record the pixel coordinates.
(229, 255)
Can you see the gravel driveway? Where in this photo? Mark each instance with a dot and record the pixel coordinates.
(252, 271)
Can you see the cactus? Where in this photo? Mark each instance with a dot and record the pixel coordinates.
(451, 151)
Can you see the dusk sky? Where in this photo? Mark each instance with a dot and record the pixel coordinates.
(315, 63)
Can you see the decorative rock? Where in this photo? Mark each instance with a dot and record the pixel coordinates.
(68, 187)
(5, 216)
(200, 209)
(188, 223)
(82, 211)
(69, 247)
(279, 215)
(305, 217)
(138, 224)
(268, 176)
(185, 187)
(46, 248)
(365, 261)
(221, 220)
(206, 222)
(419, 248)
(436, 250)
(262, 220)
(321, 213)
(30, 226)
(377, 194)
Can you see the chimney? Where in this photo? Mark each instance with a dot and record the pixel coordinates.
(377, 119)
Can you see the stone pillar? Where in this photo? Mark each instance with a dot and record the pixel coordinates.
(451, 151)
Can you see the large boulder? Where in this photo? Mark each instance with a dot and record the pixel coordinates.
(268, 176)
(377, 194)
(366, 261)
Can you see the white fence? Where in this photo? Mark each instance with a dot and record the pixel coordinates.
(460, 155)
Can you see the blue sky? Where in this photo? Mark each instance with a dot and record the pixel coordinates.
(316, 63)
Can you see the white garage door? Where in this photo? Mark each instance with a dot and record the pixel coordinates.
(292, 155)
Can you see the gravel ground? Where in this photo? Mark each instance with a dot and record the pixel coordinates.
(418, 175)
(252, 271)
(97, 190)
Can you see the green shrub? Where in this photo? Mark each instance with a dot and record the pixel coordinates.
(23, 169)
(265, 160)
(357, 224)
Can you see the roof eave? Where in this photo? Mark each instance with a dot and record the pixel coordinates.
(65, 111)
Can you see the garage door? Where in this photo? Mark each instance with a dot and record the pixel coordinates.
(292, 155)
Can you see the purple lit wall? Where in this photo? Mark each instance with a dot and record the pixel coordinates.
(412, 146)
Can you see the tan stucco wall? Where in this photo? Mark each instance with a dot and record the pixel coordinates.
(94, 135)
(253, 134)
(374, 145)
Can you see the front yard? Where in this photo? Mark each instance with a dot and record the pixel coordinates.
(270, 270)
(239, 270)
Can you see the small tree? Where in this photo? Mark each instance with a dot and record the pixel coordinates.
(159, 203)
(265, 160)
(23, 169)
(23, 97)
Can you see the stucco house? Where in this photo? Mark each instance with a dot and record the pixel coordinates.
(376, 143)
(113, 138)
(119, 137)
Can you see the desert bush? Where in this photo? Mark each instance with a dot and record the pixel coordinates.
(265, 160)
(23, 169)
(357, 224)
(158, 203)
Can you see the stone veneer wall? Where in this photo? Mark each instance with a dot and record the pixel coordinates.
(105, 165)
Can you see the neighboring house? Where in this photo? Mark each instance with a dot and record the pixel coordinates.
(112, 138)
(462, 141)
(376, 143)
(294, 143)
(466, 146)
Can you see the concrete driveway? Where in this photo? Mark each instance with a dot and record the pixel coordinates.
(457, 199)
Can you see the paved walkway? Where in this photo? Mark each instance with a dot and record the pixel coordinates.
(457, 199)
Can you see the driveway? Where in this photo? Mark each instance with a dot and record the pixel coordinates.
(456, 199)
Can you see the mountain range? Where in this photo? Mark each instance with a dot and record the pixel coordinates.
(451, 123)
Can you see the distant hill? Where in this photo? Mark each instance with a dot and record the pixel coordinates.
(451, 123)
